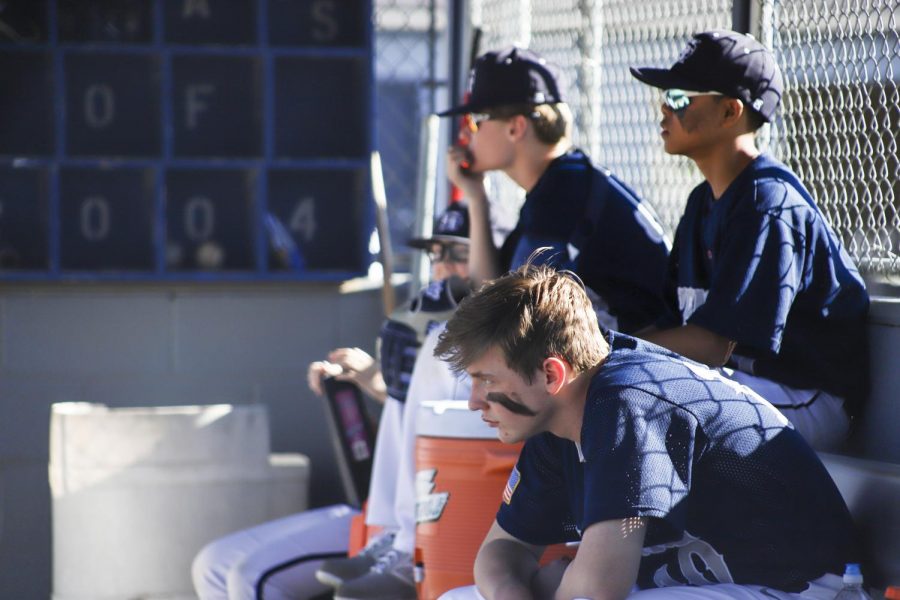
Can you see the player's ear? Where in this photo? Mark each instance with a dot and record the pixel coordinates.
(732, 111)
(555, 371)
(516, 127)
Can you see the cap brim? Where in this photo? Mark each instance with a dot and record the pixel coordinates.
(462, 109)
(665, 79)
(456, 110)
(422, 243)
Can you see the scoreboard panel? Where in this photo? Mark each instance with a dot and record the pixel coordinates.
(185, 139)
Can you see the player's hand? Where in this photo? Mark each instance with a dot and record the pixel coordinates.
(356, 366)
(463, 173)
(352, 361)
(317, 371)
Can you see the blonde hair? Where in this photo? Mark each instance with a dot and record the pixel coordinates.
(551, 122)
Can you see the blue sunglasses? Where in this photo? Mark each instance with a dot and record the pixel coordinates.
(679, 100)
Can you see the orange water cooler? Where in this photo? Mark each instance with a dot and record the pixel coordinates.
(461, 471)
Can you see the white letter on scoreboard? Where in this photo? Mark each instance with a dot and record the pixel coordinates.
(194, 103)
(195, 7)
(323, 14)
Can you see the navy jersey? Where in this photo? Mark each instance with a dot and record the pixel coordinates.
(731, 492)
(403, 332)
(761, 266)
(600, 229)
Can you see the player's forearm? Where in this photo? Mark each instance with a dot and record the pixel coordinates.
(607, 562)
(695, 343)
(483, 255)
(504, 570)
(570, 588)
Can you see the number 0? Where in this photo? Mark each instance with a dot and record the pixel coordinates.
(99, 105)
(95, 218)
(199, 218)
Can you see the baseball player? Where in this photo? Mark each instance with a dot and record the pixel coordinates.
(761, 282)
(677, 482)
(274, 553)
(596, 226)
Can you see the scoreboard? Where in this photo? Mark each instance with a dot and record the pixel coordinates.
(185, 139)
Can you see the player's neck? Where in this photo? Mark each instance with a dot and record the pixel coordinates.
(722, 163)
(570, 416)
(532, 159)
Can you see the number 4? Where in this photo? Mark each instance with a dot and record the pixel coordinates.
(303, 219)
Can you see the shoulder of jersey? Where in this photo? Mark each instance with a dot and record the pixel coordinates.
(433, 304)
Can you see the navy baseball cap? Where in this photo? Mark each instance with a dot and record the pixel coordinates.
(723, 61)
(451, 226)
(510, 76)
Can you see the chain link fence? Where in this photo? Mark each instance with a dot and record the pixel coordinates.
(838, 126)
(840, 117)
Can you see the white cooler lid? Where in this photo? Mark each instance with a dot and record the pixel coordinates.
(452, 419)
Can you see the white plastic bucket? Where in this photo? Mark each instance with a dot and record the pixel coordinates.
(136, 492)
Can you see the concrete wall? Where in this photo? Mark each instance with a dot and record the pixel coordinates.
(154, 345)
(878, 435)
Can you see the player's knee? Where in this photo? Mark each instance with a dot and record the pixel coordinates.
(208, 573)
(242, 578)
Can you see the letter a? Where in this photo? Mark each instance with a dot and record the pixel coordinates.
(195, 7)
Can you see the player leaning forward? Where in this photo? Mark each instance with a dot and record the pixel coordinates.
(668, 474)
(763, 284)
